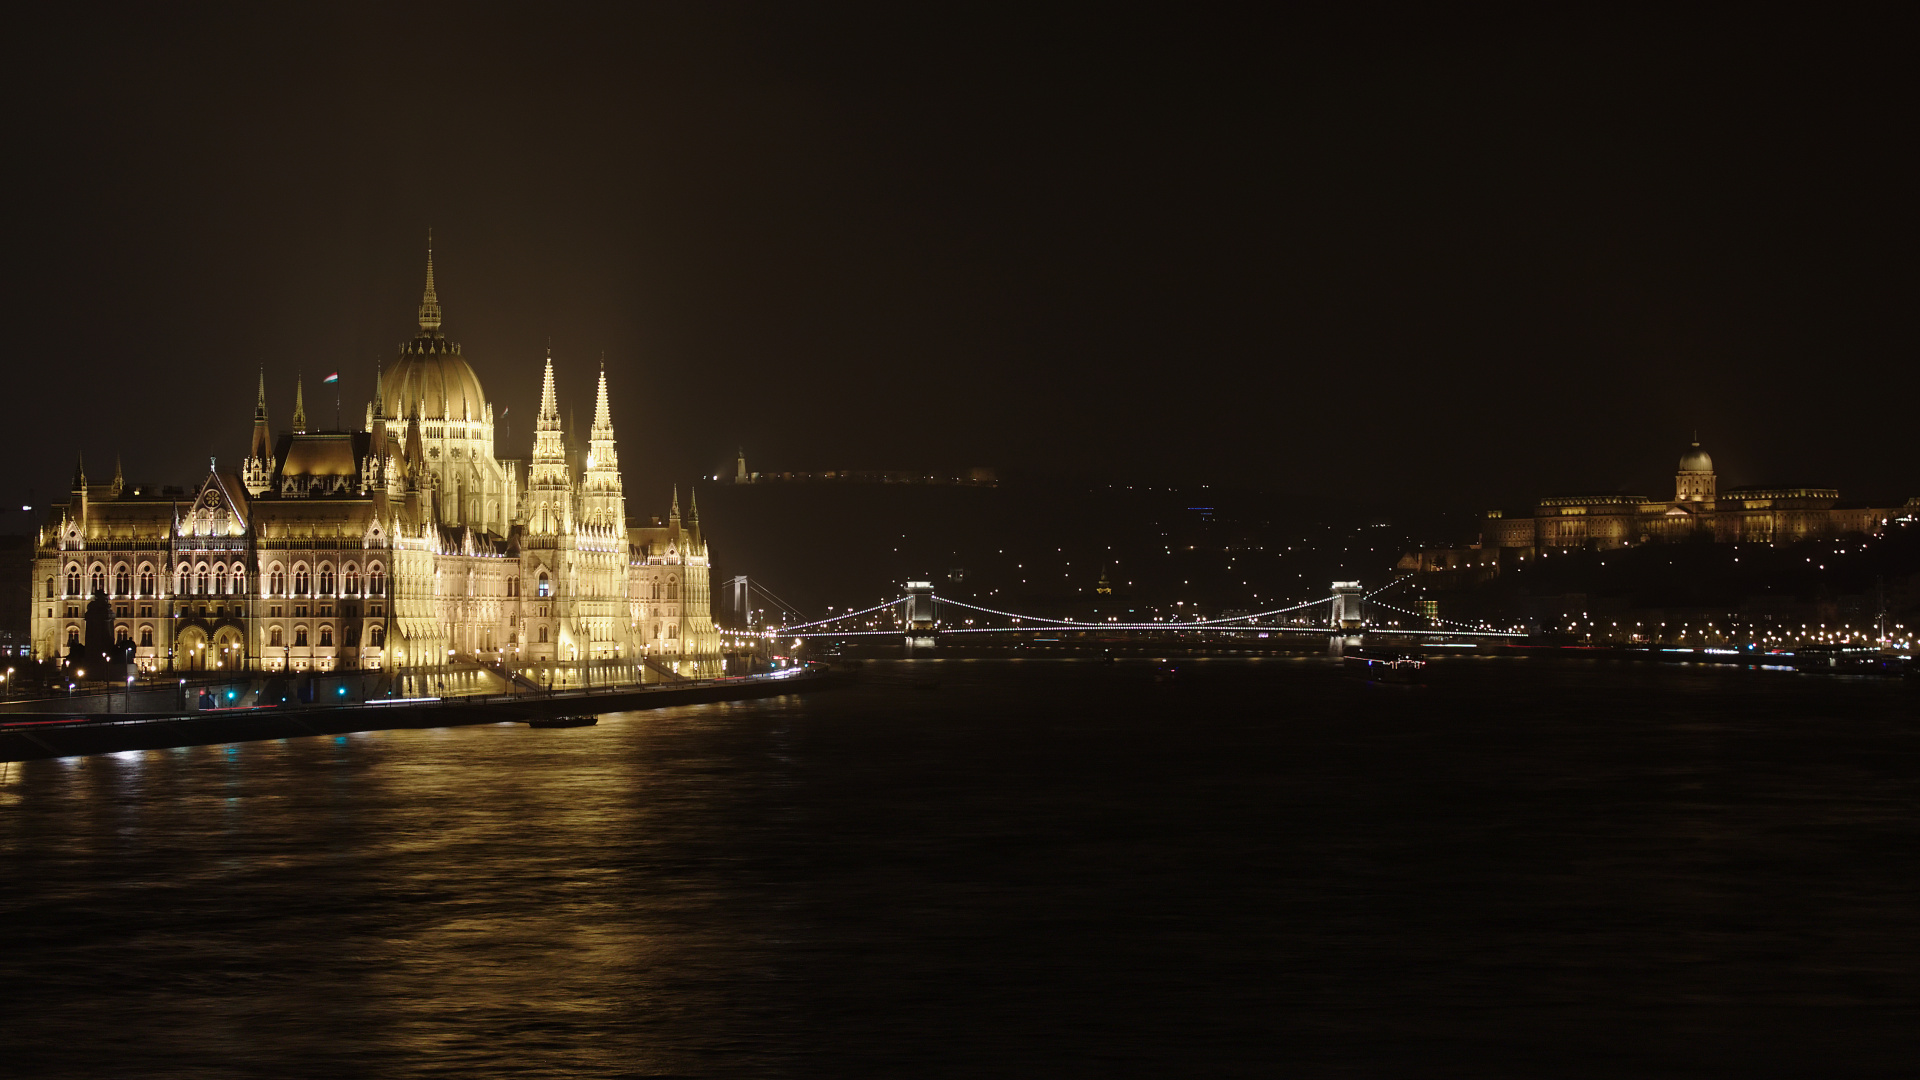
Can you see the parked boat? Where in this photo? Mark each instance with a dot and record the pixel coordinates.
(564, 721)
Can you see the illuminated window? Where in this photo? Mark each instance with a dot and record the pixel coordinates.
(99, 579)
(545, 586)
(326, 581)
(302, 581)
(299, 635)
(543, 635)
(146, 580)
(352, 577)
(122, 581)
(377, 636)
(376, 581)
(275, 638)
(146, 636)
(326, 635)
(276, 581)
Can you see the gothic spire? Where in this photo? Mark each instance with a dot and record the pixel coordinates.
(693, 504)
(430, 302)
(379, 397)
(260, 405)
(118, 478)
(80, 471)
(549, 402)
(602, 415)
(299, 407)
(673, 515)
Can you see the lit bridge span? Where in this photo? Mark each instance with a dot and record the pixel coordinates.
(1342, 613)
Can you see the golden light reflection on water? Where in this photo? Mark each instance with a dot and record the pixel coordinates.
(1038, 866)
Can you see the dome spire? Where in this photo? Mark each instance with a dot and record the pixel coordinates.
(430, 301)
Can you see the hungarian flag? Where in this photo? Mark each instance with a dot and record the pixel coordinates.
(335, 377)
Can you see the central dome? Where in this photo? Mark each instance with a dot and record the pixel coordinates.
(1696, 460)
(433, 385)
(431, 380)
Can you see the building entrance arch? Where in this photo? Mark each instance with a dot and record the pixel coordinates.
(190, 650)
(228, 648)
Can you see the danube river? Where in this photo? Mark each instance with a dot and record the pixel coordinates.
(1038, 868)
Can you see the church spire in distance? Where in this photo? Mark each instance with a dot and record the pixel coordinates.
(430, 300)
(299, 407)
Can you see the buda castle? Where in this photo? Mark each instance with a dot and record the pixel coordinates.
(404, 545)
(1699, 510)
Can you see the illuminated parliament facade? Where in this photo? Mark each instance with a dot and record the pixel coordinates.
(404, 545)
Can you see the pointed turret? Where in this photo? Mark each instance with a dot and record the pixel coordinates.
(549, 506)
(299, 406)
(603, 500)
(262, 447)
(430, 300)
(673, 515)
(80, 472)
(256, 469)
(119, 479)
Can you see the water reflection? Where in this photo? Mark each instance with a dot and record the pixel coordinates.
(1039, 867)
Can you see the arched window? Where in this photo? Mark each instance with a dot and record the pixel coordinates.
(120, 635)
(274, 637)
(377, 636)
(673, 588)
(73, 581)
(326, 635)
(546, 586)
(543, 635)
(376, 580)
(220, 579)
(146, 636)
(73, 635)
(352, 584)
(350, 635)
(276, 581)
(239, 579)
(99, 579)
(299, 635)
(180, 580)
(302, 580)
(49, 588)
(326, 580)
(200, 579)
(122, 581)
(146, 579)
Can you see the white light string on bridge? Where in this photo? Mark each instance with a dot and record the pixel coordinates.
(1417, 615)
(1237, 620)
(844, 633)
(1388, 585)
(848, 615)
(1097, 627)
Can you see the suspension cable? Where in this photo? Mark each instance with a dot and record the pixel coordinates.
(848, 615)
(1196, 622)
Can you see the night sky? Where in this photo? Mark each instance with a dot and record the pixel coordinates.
(1455, 261)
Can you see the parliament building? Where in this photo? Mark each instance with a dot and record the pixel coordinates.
(405, 545)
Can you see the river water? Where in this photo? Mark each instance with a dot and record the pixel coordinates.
(1036, 868)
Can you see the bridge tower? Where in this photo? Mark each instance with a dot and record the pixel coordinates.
(921, 625)
(1346, 605)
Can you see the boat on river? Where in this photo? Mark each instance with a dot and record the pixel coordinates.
(579, 720)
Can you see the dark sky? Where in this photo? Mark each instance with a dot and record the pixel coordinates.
(1456, 260)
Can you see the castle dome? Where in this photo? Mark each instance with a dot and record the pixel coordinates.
(1696, 460)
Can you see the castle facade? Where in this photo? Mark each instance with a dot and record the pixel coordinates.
(404, 545)
(1699, 510)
